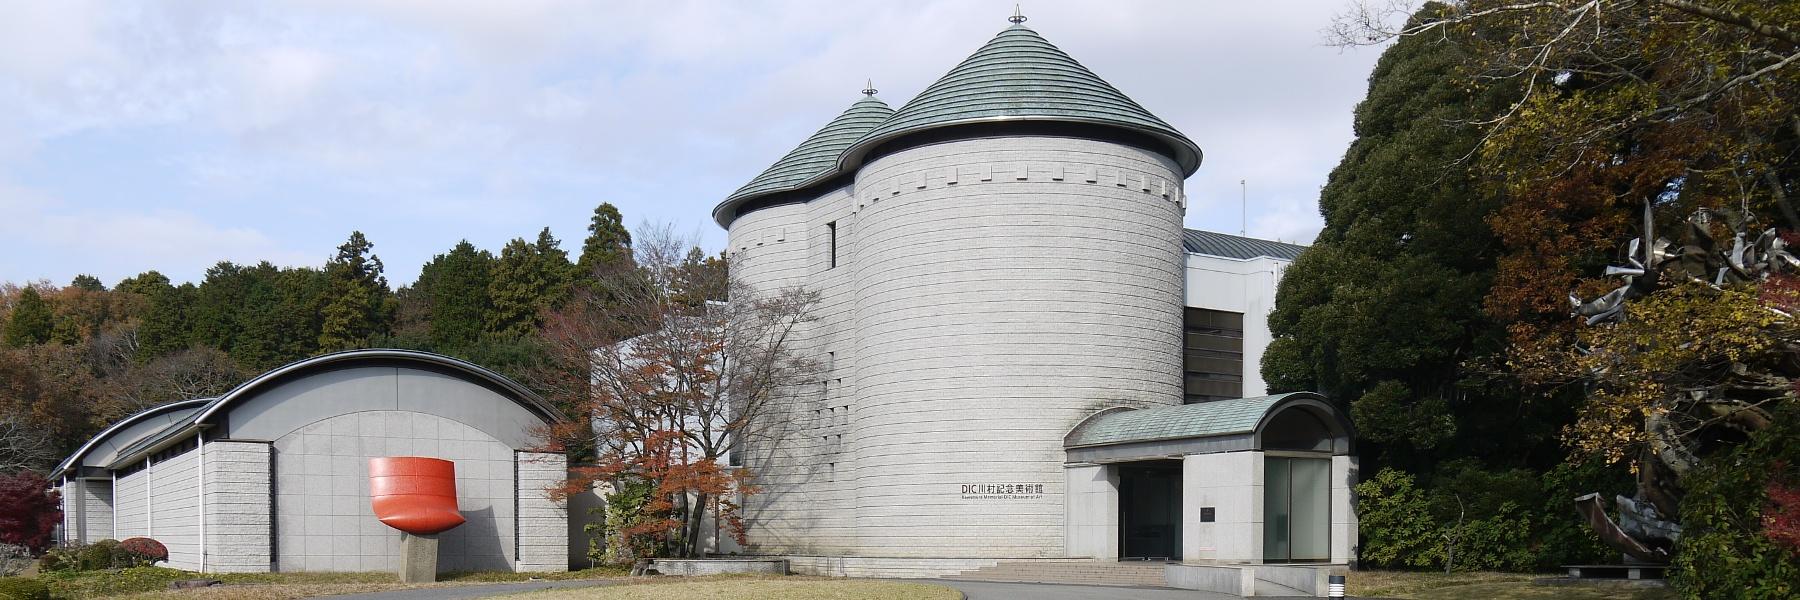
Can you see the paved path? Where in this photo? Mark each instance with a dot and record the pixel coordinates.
(465, 592)
(976, 590)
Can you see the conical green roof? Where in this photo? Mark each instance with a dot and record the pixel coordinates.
(1020, 76)
(816, 159)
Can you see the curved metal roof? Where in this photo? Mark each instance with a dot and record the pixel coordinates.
(1204, 419)
(815, 160)
(1020, 76)
(75, 459)
(179, 430)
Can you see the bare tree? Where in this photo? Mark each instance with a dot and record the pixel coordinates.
(22, 448)
(671, 381)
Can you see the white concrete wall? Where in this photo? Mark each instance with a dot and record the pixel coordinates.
(543, 523)
(1231, 483)
(131, 505)
(175, 508)
(1005, 289)
(322, 513)
(87, 510)
(1240, 286)
(238, 507)
(1091, 527)
(1343, 509)
(98, 506)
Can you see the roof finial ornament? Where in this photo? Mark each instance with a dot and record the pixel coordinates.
(1018, 16)
(870, 90)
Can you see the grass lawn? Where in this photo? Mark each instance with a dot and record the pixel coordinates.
(147, 583)
(741, 587)
(1488, 586)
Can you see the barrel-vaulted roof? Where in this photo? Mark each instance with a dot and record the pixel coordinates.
(207, 412)
(1205, 419)
(176, 410)
(815, 160)
(1020, 76)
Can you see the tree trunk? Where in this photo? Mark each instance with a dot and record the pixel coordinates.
(696, 516)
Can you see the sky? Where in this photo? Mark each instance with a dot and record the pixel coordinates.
(174, 135)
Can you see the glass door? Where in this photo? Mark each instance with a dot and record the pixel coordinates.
(1296, 509)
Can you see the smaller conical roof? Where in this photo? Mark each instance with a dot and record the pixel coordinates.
(1020, 76)
(816, 159)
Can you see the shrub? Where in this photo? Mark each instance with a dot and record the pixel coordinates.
(104, 554)
(1397, 528)
(23, 588)
(1725, 550)
(143, 551)
(13, 559)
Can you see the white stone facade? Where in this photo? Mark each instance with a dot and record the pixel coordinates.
(987, 295)
(238, 518)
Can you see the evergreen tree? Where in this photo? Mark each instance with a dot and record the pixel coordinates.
(357, 303)
(528, 279)
(608, 244)
(30, 322)
(147, 283)
(1383, 312)
(167, 328)
(453, 288)
(87, 282)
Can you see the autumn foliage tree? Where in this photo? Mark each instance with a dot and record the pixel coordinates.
(670, 381)
(31, 511)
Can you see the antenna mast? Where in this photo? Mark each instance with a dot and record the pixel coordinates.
(1243, 208)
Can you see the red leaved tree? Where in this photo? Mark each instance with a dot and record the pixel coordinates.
(30, 512)
(662, 381)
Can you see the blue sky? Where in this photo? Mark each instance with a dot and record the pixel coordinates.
(173, 135)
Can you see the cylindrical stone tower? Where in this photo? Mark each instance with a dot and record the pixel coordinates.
(1018, 267)
(999, 259)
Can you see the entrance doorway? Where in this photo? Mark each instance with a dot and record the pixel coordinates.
(1296, 509)
(1150, 510)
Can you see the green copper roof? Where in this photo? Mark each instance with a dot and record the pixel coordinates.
(816, 159)
(1221, 417)
(1021, 76)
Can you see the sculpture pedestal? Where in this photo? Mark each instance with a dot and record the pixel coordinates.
(418, 558)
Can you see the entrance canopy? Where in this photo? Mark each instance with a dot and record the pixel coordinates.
(1298, 421)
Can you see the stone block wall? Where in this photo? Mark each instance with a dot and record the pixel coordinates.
(1231, 483)
(175, 508)
(543, 524)
(323, 518)
(237, 507)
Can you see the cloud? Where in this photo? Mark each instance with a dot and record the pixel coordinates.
(285, 125)
(115, 244)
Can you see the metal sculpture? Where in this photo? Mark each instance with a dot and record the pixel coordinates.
(1644, 531)
(416, 495)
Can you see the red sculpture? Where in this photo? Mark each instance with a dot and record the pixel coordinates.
(414, 494)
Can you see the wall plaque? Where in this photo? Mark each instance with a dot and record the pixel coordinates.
(1002, 491)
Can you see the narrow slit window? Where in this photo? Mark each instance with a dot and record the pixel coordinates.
(831, 245)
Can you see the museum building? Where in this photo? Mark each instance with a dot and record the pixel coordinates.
(1025, 354)
(274, 474)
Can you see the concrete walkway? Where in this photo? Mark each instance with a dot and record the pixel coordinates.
(976, 590)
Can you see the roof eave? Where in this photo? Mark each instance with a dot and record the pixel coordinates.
(1187, 154)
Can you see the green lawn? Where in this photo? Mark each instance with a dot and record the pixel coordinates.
(740, 588)
(1489, 586)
